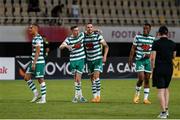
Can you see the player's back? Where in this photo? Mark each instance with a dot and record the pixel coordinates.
(164, 50)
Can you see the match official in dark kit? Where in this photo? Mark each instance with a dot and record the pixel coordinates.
(163, 53)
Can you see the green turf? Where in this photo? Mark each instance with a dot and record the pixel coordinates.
(116, 101)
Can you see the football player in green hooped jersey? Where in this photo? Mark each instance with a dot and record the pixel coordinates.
(74, 44)
(95, 58)
(141, 48)
(37, 65)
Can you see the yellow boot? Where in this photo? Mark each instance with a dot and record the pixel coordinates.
(146, 101)
(136, 99)
(98, 99)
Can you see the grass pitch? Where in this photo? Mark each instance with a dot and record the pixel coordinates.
(116, 102)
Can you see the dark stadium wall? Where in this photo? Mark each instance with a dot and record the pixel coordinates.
(24, 49)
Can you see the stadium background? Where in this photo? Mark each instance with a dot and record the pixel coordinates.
(119, 21)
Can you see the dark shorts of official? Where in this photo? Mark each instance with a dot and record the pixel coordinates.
(162, 76)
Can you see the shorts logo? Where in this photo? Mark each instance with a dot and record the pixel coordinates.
(99, 67)
(141, 67)
(38, 73)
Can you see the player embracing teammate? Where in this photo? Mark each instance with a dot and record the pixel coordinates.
(93, 43)
(87, 45)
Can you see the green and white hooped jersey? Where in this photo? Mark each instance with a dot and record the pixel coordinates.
(38, 41)
(143, 45)
(93, 46)
(76, 53)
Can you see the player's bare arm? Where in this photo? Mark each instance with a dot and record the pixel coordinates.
(174, 54)
(106, 49)
(152, 58)
(36, 57)
(64, 45)
(131, 56)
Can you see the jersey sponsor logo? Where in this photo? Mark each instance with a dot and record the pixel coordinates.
(77, 46)
(145, 47)
(89, 45)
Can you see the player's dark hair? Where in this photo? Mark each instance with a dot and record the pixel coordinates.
(163, 30)
(89, 23)
(72, 28)
(35, 24)
(147, 24)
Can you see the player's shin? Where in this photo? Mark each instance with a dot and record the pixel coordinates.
(94, 89)
(77, 89)
(32, 86)
(98, 88)
(43, 91)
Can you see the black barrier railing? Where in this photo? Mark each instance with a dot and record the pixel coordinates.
(138, 21)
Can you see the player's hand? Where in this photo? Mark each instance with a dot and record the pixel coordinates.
(152, 67)
(33, 66)
(98, 31)
(146, 56)
(77, 46)
(69, 47)
(104, 59)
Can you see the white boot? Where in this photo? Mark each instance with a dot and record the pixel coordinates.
(36, 97)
